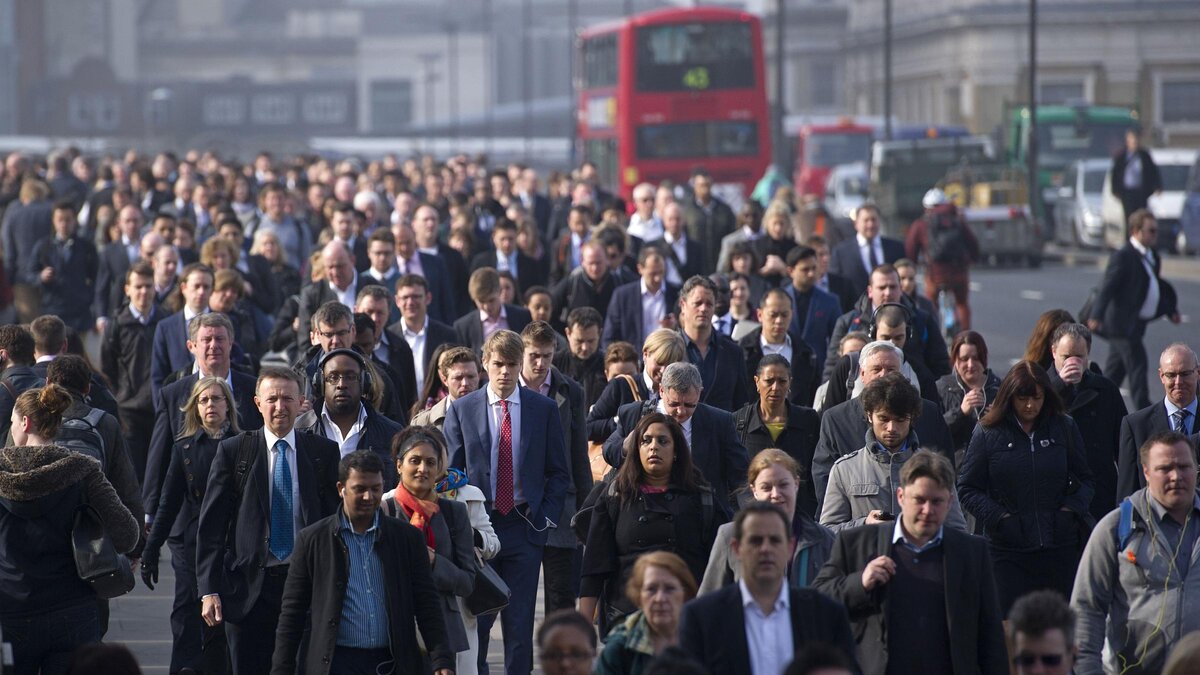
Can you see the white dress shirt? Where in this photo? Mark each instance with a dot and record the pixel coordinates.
(333, 432)
(411, 266)
(416, 342)
(768, 636)
(646, 229)
(297, 524)
(865, 253)
(377, 275)
(654, 307)
(507, 263)
(783, 349)
(1150, 304)
(495, 419)
(687, 426)
(346, 297)
(679, 246)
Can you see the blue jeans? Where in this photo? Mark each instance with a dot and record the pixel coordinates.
(44, 642)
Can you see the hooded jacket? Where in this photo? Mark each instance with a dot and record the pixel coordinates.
(41, 488)
(1131, 595)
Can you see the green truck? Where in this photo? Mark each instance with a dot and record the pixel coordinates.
(1065, 133)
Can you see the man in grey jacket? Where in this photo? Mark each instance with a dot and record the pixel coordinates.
(1133, 578)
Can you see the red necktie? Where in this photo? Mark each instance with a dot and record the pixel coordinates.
(504, 464)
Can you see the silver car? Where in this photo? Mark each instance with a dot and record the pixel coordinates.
(1077, 214)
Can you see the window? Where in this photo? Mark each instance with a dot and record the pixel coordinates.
(391, 105)
(1060, 93)
(1181, 101)
(823, 86)
(695, 56)
(600, 61)
(697, 140)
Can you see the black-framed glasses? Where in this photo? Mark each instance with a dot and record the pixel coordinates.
(340, 378)
(1048, 660)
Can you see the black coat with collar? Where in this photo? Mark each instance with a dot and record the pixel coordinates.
(400, 354)
(601, 416)
(712, 627)
(729, 389)
(1098, 409)
(234, 569)
(470, 328)
(845, 259)
(805, 378)
(695, 257)
(182, 493)
(312, 297)
(529, 271)
(110, 279)
(1123, 291)
(623, 319)
(1135, 429)
(798, 440)
(972, 612)
(316, 589)
(567, 394)
(376, 436)
(125, 352)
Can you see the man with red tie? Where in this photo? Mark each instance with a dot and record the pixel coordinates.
(510, 441)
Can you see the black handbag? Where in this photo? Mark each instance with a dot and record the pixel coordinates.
(96, 559)
(491, 594)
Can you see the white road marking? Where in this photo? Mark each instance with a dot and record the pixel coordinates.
(1033, 295)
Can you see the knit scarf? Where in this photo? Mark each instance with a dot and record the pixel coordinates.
(419, 511)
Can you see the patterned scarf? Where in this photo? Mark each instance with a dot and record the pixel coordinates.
(419, 512)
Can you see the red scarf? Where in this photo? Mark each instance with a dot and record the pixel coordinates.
(419, 512)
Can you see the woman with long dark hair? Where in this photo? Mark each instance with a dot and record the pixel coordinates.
(1026, 480)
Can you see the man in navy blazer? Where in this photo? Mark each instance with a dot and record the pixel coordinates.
(814, 312)
(242, 553)
(115, 260)
(411, 260)
(721, 361)
(170, 351)
(632, 302)
(856, 257)
(474, 327)
(414, 329)
(510, 441)
(711, 432)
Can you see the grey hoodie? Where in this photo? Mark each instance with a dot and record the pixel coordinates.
(1132, 596)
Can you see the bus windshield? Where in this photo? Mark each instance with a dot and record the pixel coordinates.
(697, 139)
(695, 56)
(835, 149)
(1061, 143)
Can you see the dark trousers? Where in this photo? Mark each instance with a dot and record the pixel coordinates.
(351, 661)
(1133, 200)
(252, 639)
(193, 643)
(561, 568)
(138, 426)
(1020, 572)
(44, 643)
(1127, 358)
(517, 564)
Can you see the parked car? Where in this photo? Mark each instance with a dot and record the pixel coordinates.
(1167, 206)
(1077, 212)
(1189, 220)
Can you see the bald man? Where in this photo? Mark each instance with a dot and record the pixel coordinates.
(342, 283)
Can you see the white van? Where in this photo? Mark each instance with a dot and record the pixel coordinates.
(1167, 206)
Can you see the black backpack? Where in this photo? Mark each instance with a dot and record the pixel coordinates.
(82, 435)
(947, 244)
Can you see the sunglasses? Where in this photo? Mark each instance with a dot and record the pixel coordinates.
(1048, 660)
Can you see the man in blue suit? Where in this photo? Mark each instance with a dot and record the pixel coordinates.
(170, 351)
(814, 311)
(510, 441)
(855, 258)
(641, 307)
(411, 260)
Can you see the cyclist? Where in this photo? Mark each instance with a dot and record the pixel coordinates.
(948, 247)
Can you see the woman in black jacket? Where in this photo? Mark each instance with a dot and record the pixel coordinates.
(443, 522)
(46, 610)
(209, 416)
(968, 390)
(1025, 479)
(775, 422)
(658, 503)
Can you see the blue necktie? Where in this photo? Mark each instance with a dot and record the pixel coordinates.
(282, 522)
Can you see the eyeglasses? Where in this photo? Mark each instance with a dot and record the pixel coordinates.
(1048, 660)
(334, 334)
(1180, 374)
(566, 656)
(342, 378)
(216, 398)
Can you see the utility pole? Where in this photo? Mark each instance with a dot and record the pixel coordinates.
(452, 76)
(780, 98)
(1035, 197)
(887, 69)
(572, 46)
(527, 76)
(490, 97)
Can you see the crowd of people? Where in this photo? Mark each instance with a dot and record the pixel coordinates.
(371, 408)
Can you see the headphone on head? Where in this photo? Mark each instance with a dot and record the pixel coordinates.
(318, 378)
(873, 324)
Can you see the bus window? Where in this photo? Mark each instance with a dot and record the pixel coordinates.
(600, 61)
(697, 139)
(835, 149)
(695, 56)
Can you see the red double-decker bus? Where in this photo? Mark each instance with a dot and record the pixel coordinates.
(665, 92)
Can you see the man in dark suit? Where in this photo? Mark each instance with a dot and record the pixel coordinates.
(561, 558)
(341, 607)
(711, 433)
(739, 629)
(510, 441)
(50, 342)
(720, 360)
(342, 283)
(209, 346)
(1177, 369)
(246, 536)
(855, 258)
(381, 251)
(835, 284)
(1135, 176)
(25, 222)
(772, 337)
(635, 302)
(412, 260)
(505, 256)
(170, 351)
(814, 311)
(536, 204)
(684, 255)
(115, 259)
(342, 225)
(412, 341)
(490, 315)
(844, 426)
(63, 267)
(589, 285)
(708, 218)
(265, 292)
(1131, 296)
(425, 226)
(921, 595)
(566, 252)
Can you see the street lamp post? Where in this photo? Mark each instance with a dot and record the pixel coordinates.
(887, 69)
(780, 99)
(1035, 197)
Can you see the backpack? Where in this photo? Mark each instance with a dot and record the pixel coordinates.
(82, 435)
(946, 242)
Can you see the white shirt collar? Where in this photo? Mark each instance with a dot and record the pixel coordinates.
(662, 288)
(483, 316)
(424, 326)
(862, 241)
(357, 426)
(290, 438)
(1137, 246)
(787, 341)
(513, 399)
(782, 602)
